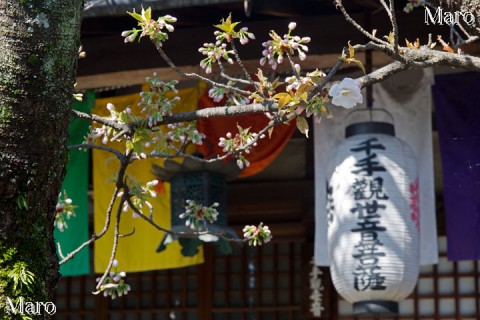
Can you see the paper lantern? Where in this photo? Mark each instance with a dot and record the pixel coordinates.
(205, 183)
(373, 218)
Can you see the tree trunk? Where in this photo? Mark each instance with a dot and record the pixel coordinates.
(39, 43)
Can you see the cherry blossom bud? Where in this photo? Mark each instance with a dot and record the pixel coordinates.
(130, 38)
(240, 163)
(110, 107)
(152, 183)
(292, 25)
(114, 264)
(297, 67)
(170, 18)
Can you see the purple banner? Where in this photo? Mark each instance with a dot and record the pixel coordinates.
(457, 108)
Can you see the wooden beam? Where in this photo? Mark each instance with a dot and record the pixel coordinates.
(108, 8)
(107, 53)
(136, 77)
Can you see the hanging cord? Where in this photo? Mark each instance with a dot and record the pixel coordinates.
(368, 65)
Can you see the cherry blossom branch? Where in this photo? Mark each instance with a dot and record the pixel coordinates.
(115, 243)
(102, 120)
(119, 155)
(382, 73)
(170, 63)
(347, 17)
(240, 63)
(425, 57)
(192, 235)
(229, 78)
(327, 78)
(393, 21)
(96, 236)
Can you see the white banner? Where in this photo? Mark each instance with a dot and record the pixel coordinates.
(407, 96)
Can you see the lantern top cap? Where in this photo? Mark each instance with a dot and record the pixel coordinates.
(369, 127)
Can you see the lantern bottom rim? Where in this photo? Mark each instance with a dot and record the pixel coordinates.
(375, 307)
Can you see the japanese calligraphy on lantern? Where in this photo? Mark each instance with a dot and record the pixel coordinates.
(369, 206)
(371, 218)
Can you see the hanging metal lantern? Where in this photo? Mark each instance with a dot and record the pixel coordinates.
(204, 183)
(373, 217)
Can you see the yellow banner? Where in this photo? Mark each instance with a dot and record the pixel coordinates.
(138, 251)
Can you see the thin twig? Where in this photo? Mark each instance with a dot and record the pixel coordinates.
(193, 234)
(356, 25)
(229, 78)
(292, 64)
(393, 21)
(106, 226)
(327, 78)
(93, 4)
(240, 63)
(170, 63)
(60, 253)
(385, 6)
(119, 155)
(102, 120)
(127, 234)
(115, 243)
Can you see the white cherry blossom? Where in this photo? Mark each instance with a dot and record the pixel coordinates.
(346, 93)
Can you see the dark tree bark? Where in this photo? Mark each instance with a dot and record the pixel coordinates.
(39, 43)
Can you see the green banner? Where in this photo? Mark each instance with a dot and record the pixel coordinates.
(76, 187)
